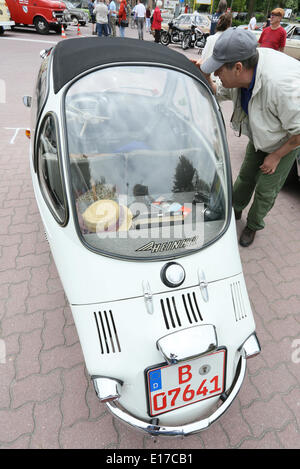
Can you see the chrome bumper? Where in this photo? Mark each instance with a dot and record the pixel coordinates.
(249, 349)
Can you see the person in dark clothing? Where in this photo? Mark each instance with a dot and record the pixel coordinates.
(215, 17)
(91, 7)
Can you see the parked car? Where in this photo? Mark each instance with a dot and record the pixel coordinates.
(292, 46)
(5, 20)
(83, 5)
(142, 230)
(185, 21)
(78, 16)
(258, 26)
(42, 14)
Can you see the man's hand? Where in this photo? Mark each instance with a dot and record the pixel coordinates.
(271, 161)
(198, 64)
(270, 164)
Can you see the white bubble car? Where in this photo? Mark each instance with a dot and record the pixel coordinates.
(131, 173)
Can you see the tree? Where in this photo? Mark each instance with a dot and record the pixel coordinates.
(293, 4)
(251, 7)
(239, 5)
(184, 174)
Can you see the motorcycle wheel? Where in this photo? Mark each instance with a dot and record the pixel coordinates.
(186, 42)
(164, 38)
(200, 43)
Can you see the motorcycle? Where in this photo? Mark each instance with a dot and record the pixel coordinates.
(194, 38)
(141, 228)
(173, 35)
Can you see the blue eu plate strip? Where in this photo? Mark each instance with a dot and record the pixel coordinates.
(155, 380)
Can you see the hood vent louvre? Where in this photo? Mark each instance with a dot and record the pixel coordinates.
(188, 310)
(237, 300)
(107, 332)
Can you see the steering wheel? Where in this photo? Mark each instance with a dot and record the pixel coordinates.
(85, 111)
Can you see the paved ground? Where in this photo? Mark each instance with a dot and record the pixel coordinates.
(46, 399)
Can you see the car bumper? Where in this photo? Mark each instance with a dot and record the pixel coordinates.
(7, 24)
(249, 349)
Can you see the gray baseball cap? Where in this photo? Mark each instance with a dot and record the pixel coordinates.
(234, 45)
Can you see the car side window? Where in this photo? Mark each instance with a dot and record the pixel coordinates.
(39, 95)
(49, 170)
(296, 34)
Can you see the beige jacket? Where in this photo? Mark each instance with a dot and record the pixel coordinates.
(101, 12)
(274, 108)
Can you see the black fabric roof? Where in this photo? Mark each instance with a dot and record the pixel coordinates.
(75, 56)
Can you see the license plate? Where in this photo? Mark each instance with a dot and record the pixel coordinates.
(193, 37)
(173, 386)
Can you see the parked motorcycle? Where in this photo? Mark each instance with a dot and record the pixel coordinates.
(173, 35)
(194, 38)
(141, 228)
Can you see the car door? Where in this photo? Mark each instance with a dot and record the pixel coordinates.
(292, 47)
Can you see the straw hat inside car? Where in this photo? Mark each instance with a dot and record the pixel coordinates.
(107, 215)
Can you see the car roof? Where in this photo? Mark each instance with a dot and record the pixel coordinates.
(73, 57)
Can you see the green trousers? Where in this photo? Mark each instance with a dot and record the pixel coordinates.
(264, 186)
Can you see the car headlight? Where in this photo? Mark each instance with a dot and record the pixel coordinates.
(53, 14)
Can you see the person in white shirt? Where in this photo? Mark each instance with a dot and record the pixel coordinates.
(101, 12)
(252, 23)
(140, 12)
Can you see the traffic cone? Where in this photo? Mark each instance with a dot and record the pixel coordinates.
(63, 34)
(78, 31)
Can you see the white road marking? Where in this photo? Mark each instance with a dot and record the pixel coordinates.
(38, 40)
(29, 40)
(16, 129)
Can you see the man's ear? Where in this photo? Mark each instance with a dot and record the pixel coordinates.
(238, 67)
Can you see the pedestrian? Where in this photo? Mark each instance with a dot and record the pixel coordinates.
(252, 23)
(274, 36)
(224, 22)
(264, 87)
(141, 15)
(268, 22)
(157, 20)
(122, 17)
(148, 22)
(222, 7)
(101, 12)
(91, 6)
(108, 23)
(112, 17)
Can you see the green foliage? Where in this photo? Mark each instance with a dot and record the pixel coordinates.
(293, 4)
(239, 5)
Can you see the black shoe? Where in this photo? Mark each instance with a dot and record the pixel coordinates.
(247, 237)
(237, 214)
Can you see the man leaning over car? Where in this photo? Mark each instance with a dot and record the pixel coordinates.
(264, 86)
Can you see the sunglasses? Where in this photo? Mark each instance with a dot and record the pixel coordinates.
(274, 14)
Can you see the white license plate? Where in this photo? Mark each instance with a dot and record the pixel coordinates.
(174, 386)
(193, 37)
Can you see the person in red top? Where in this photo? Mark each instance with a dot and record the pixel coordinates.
(157, 20)
(274, 36)
(122, 17)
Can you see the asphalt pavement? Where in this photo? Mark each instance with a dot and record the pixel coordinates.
(46, 397)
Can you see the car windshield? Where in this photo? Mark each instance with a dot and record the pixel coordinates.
(147, 162)
(187, 19)
(69, 5)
